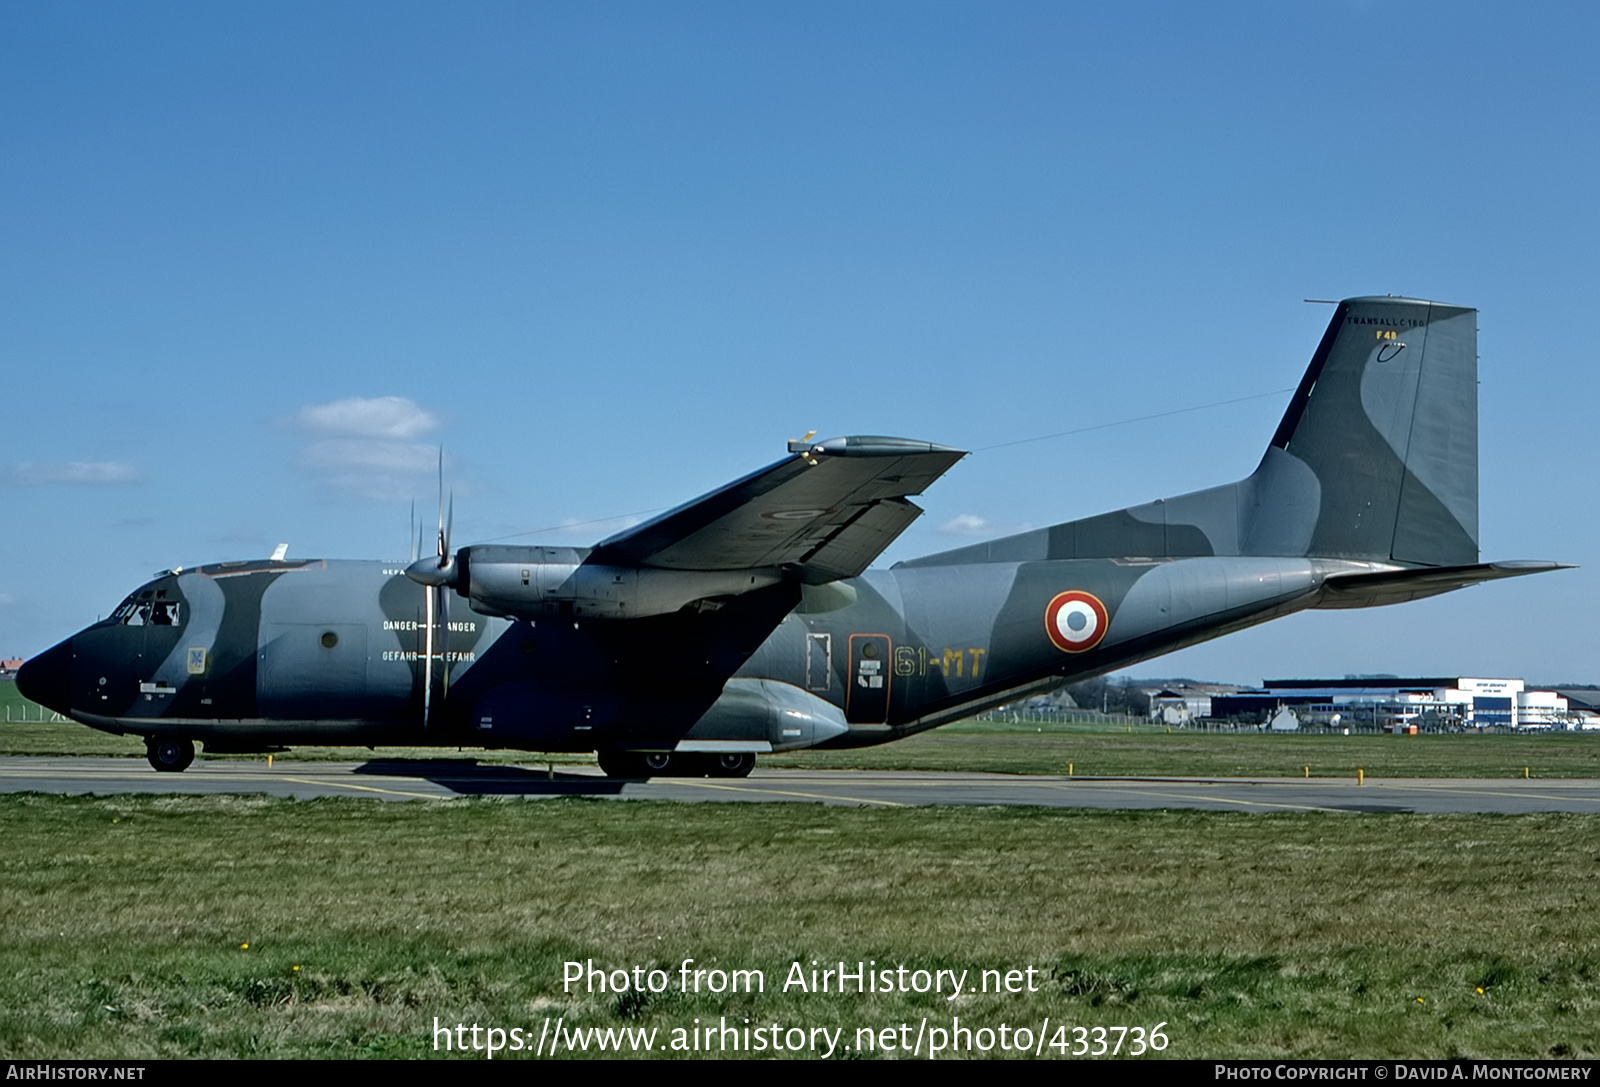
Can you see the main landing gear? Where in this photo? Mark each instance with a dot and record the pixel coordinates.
(732, 764)
(648, 764)
(170, 756)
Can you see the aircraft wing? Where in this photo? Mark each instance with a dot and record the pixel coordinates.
(826, 512)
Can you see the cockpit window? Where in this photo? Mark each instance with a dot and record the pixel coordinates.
(145, 610)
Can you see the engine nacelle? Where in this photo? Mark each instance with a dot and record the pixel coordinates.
(533, 582)
(764, 715)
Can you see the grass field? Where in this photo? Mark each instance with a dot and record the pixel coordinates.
(125, 922)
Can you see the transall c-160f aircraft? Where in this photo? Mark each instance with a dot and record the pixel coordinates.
(747, 621)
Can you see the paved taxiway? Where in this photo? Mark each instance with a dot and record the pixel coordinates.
(428, 780)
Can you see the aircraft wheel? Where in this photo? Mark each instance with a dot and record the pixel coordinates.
(170, 756)
(732, 764)
(636, 764)
(649, 764)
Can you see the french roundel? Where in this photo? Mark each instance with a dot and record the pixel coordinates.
(1076, 621)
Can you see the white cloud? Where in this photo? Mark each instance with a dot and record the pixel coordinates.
(392, 417)
(101, 472)
(370, 454)
(965, 524)
(385, 471)
(970, 524)
(367, 447)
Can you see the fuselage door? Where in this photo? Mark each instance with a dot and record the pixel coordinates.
(866, 702)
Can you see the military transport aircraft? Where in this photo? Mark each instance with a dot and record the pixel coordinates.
(747, 621)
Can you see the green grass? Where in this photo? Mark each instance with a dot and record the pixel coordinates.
(1152, 751)
(123, 921)
(27, 728)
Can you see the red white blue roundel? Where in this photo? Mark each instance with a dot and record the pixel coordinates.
(1076, 621)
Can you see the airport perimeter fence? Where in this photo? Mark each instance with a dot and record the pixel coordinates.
(1352, 725)
(28, 713)
(1009, 716)
(1038, 716)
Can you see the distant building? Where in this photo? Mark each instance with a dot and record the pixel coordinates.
(1426, 703)
(1169, 707)
(9, 667)
(1581, 699)
(1178, 702)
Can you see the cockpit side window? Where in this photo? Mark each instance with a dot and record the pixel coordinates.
(148, 609)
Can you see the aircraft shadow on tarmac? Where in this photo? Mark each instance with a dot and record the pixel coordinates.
(470, 778)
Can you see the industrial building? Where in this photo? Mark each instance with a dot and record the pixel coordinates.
(1423, 704)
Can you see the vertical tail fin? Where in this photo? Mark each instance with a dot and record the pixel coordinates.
(1376, 459)
(1386, 420)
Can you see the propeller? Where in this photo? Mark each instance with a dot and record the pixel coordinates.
(804, 451)
(437, 574)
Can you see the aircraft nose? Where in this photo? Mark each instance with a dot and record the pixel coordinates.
(47, 678)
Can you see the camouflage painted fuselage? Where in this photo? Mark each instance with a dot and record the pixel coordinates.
(271, 653)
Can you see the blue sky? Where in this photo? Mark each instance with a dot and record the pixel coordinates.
(258, 261)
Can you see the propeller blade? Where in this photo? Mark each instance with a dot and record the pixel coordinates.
(427, 660)
(437, 575)
(449, 524)
(803, 449)
(441, 551)
(444, 644)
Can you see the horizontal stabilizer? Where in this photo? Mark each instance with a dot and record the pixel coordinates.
(1367, 590)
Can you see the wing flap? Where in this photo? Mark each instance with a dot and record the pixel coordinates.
(853, 545)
